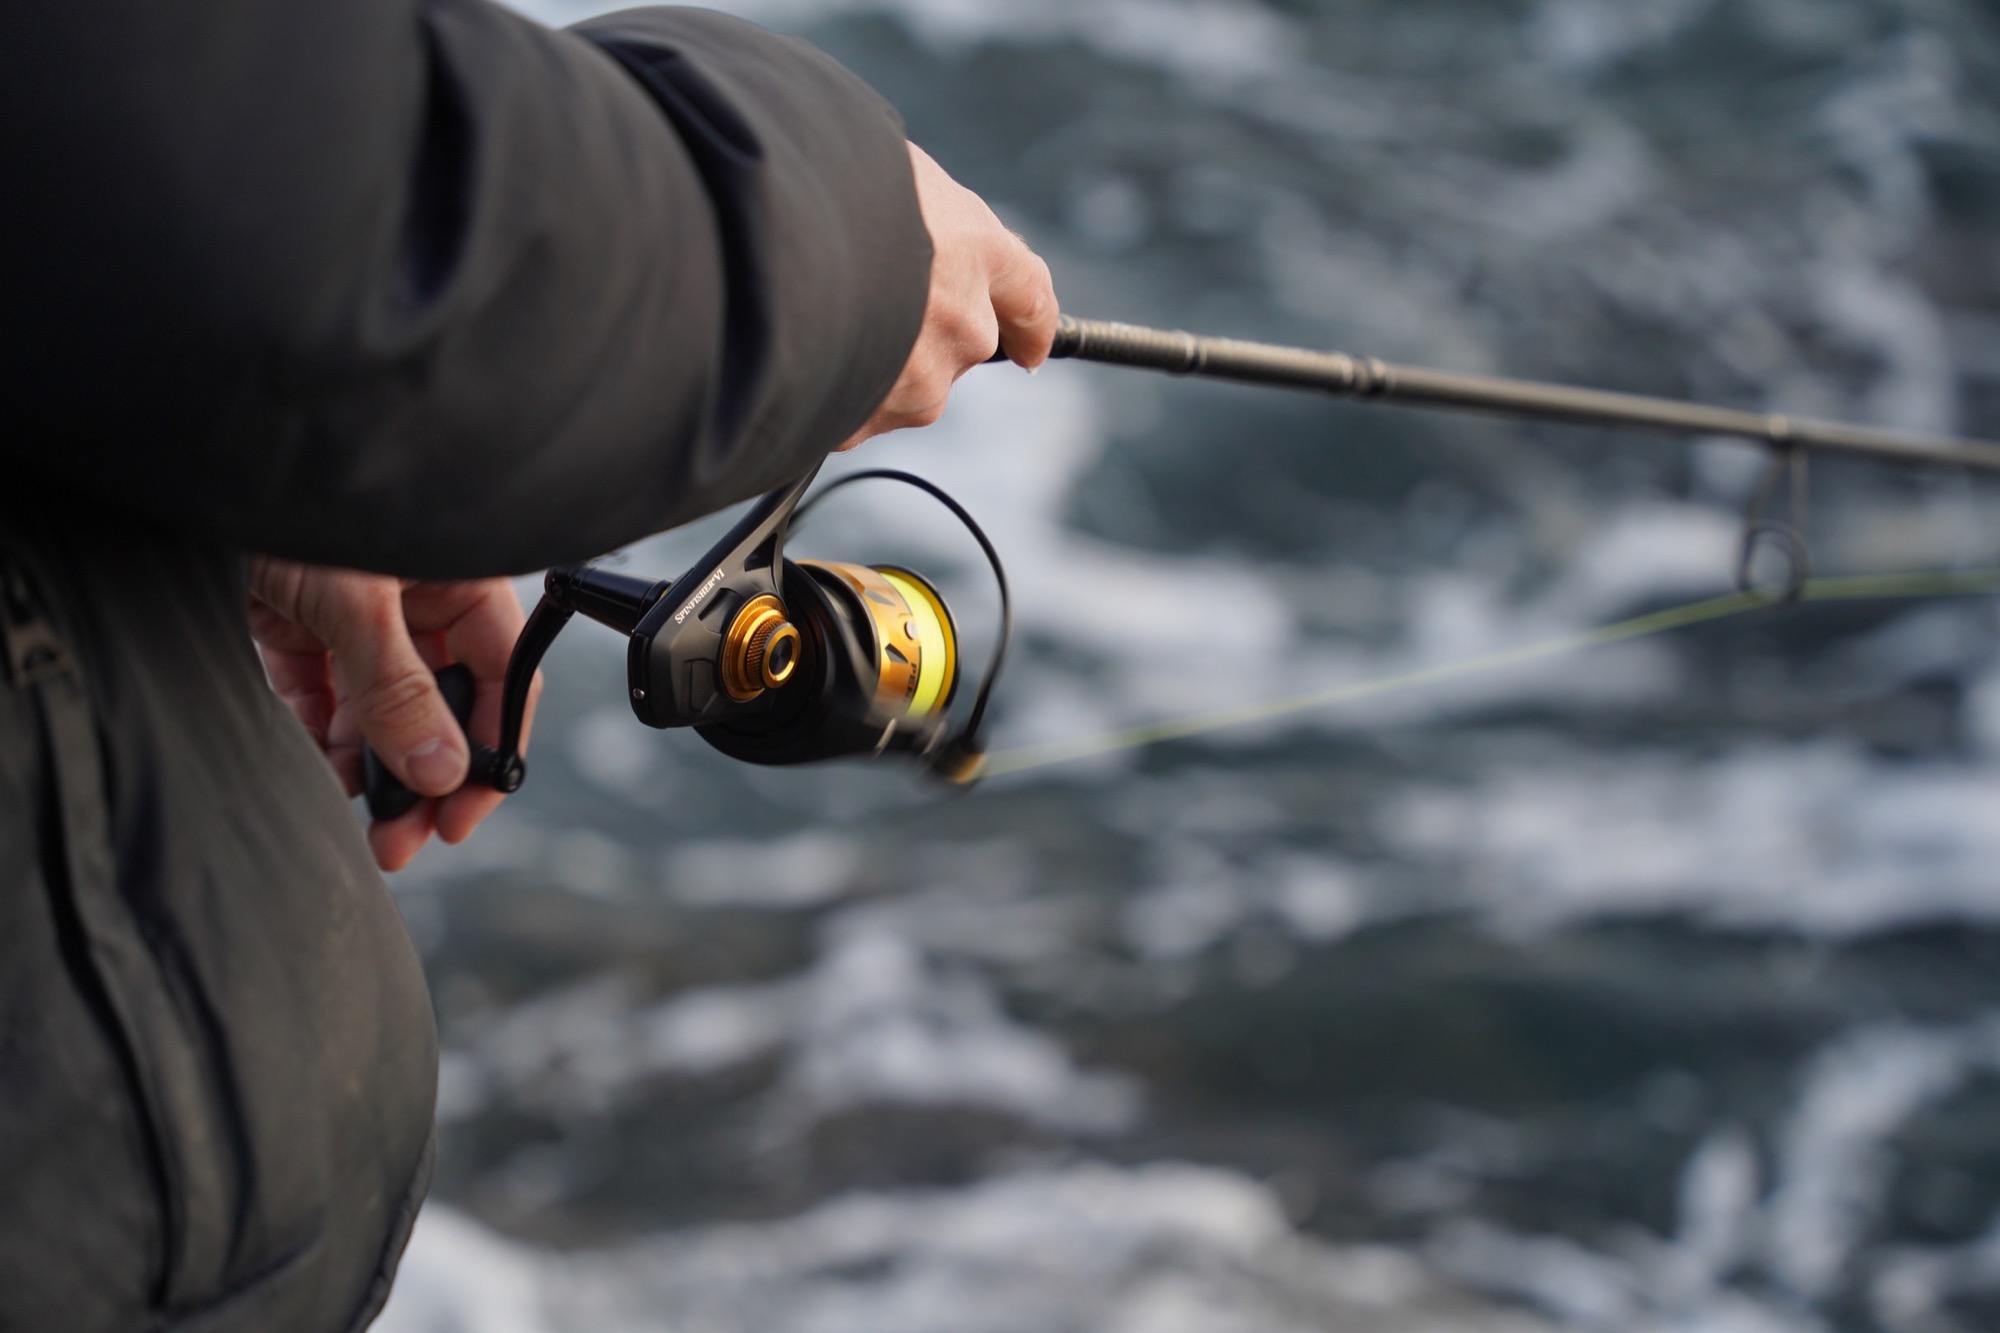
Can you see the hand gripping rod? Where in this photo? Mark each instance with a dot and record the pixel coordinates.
(1347, 376)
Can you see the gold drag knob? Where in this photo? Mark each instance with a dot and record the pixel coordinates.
(760, 651)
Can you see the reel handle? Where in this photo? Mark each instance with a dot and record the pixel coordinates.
(386, 795)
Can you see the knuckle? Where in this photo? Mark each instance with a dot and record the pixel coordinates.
(279, 585)
(396, 697)
(351, 608)
(1043, 298)
(934, 389)
(502, 591)
(1033, 288)
(984, 338)
(922, 389)
(1035, 308)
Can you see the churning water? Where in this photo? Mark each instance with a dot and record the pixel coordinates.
(1654, 988)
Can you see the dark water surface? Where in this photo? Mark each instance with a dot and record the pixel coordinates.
(1651, 988)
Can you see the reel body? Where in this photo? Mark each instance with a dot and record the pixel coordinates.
(769, 660)
(877, 667)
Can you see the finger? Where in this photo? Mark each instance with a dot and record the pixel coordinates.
(345, 760)
(304, 681)
(1024, 302)
(480, 623)
(430, 647)
(917, 399)
(397, 841)
(277, 585)
(395, 701)
(296, 661)
(274, 630)
(921, 395)
(460, 813)
(952, 343)
(344, 743)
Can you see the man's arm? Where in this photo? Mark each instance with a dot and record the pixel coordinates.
(418, 285)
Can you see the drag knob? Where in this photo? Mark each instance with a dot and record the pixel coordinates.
(761, 649)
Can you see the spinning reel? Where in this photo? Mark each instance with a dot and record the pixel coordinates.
(770, 660)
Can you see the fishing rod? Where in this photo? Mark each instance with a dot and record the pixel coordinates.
(776, 661)
(1370, 379)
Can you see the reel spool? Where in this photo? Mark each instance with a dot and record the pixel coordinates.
(769, 660)
(877, 661)
(917, 661)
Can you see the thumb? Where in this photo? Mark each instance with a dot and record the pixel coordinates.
(395, 700)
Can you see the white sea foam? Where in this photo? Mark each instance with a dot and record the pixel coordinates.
(884, 1027)
(801, 870)
(1583, 35)
(1835, 1161)
(1911, 1284)
(611, 753)
(460, 1277)
(1164, 1248)
(1802, 1238)
(1719, 1188)
(876, 1020)
(1814, 837)
(1197, 895)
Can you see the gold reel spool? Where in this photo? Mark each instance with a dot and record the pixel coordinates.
(916, 644)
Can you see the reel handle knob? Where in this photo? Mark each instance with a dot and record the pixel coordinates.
(385, 793)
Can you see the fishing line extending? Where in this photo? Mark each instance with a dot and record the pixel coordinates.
(1865, 587)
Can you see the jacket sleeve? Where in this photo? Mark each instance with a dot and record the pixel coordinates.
(424, 287)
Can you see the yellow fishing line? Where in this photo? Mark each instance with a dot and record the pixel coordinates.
(1847, 588)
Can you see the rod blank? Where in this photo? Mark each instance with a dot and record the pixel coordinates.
(1365, 378)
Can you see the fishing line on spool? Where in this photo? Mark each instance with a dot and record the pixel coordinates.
(1846, 588)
